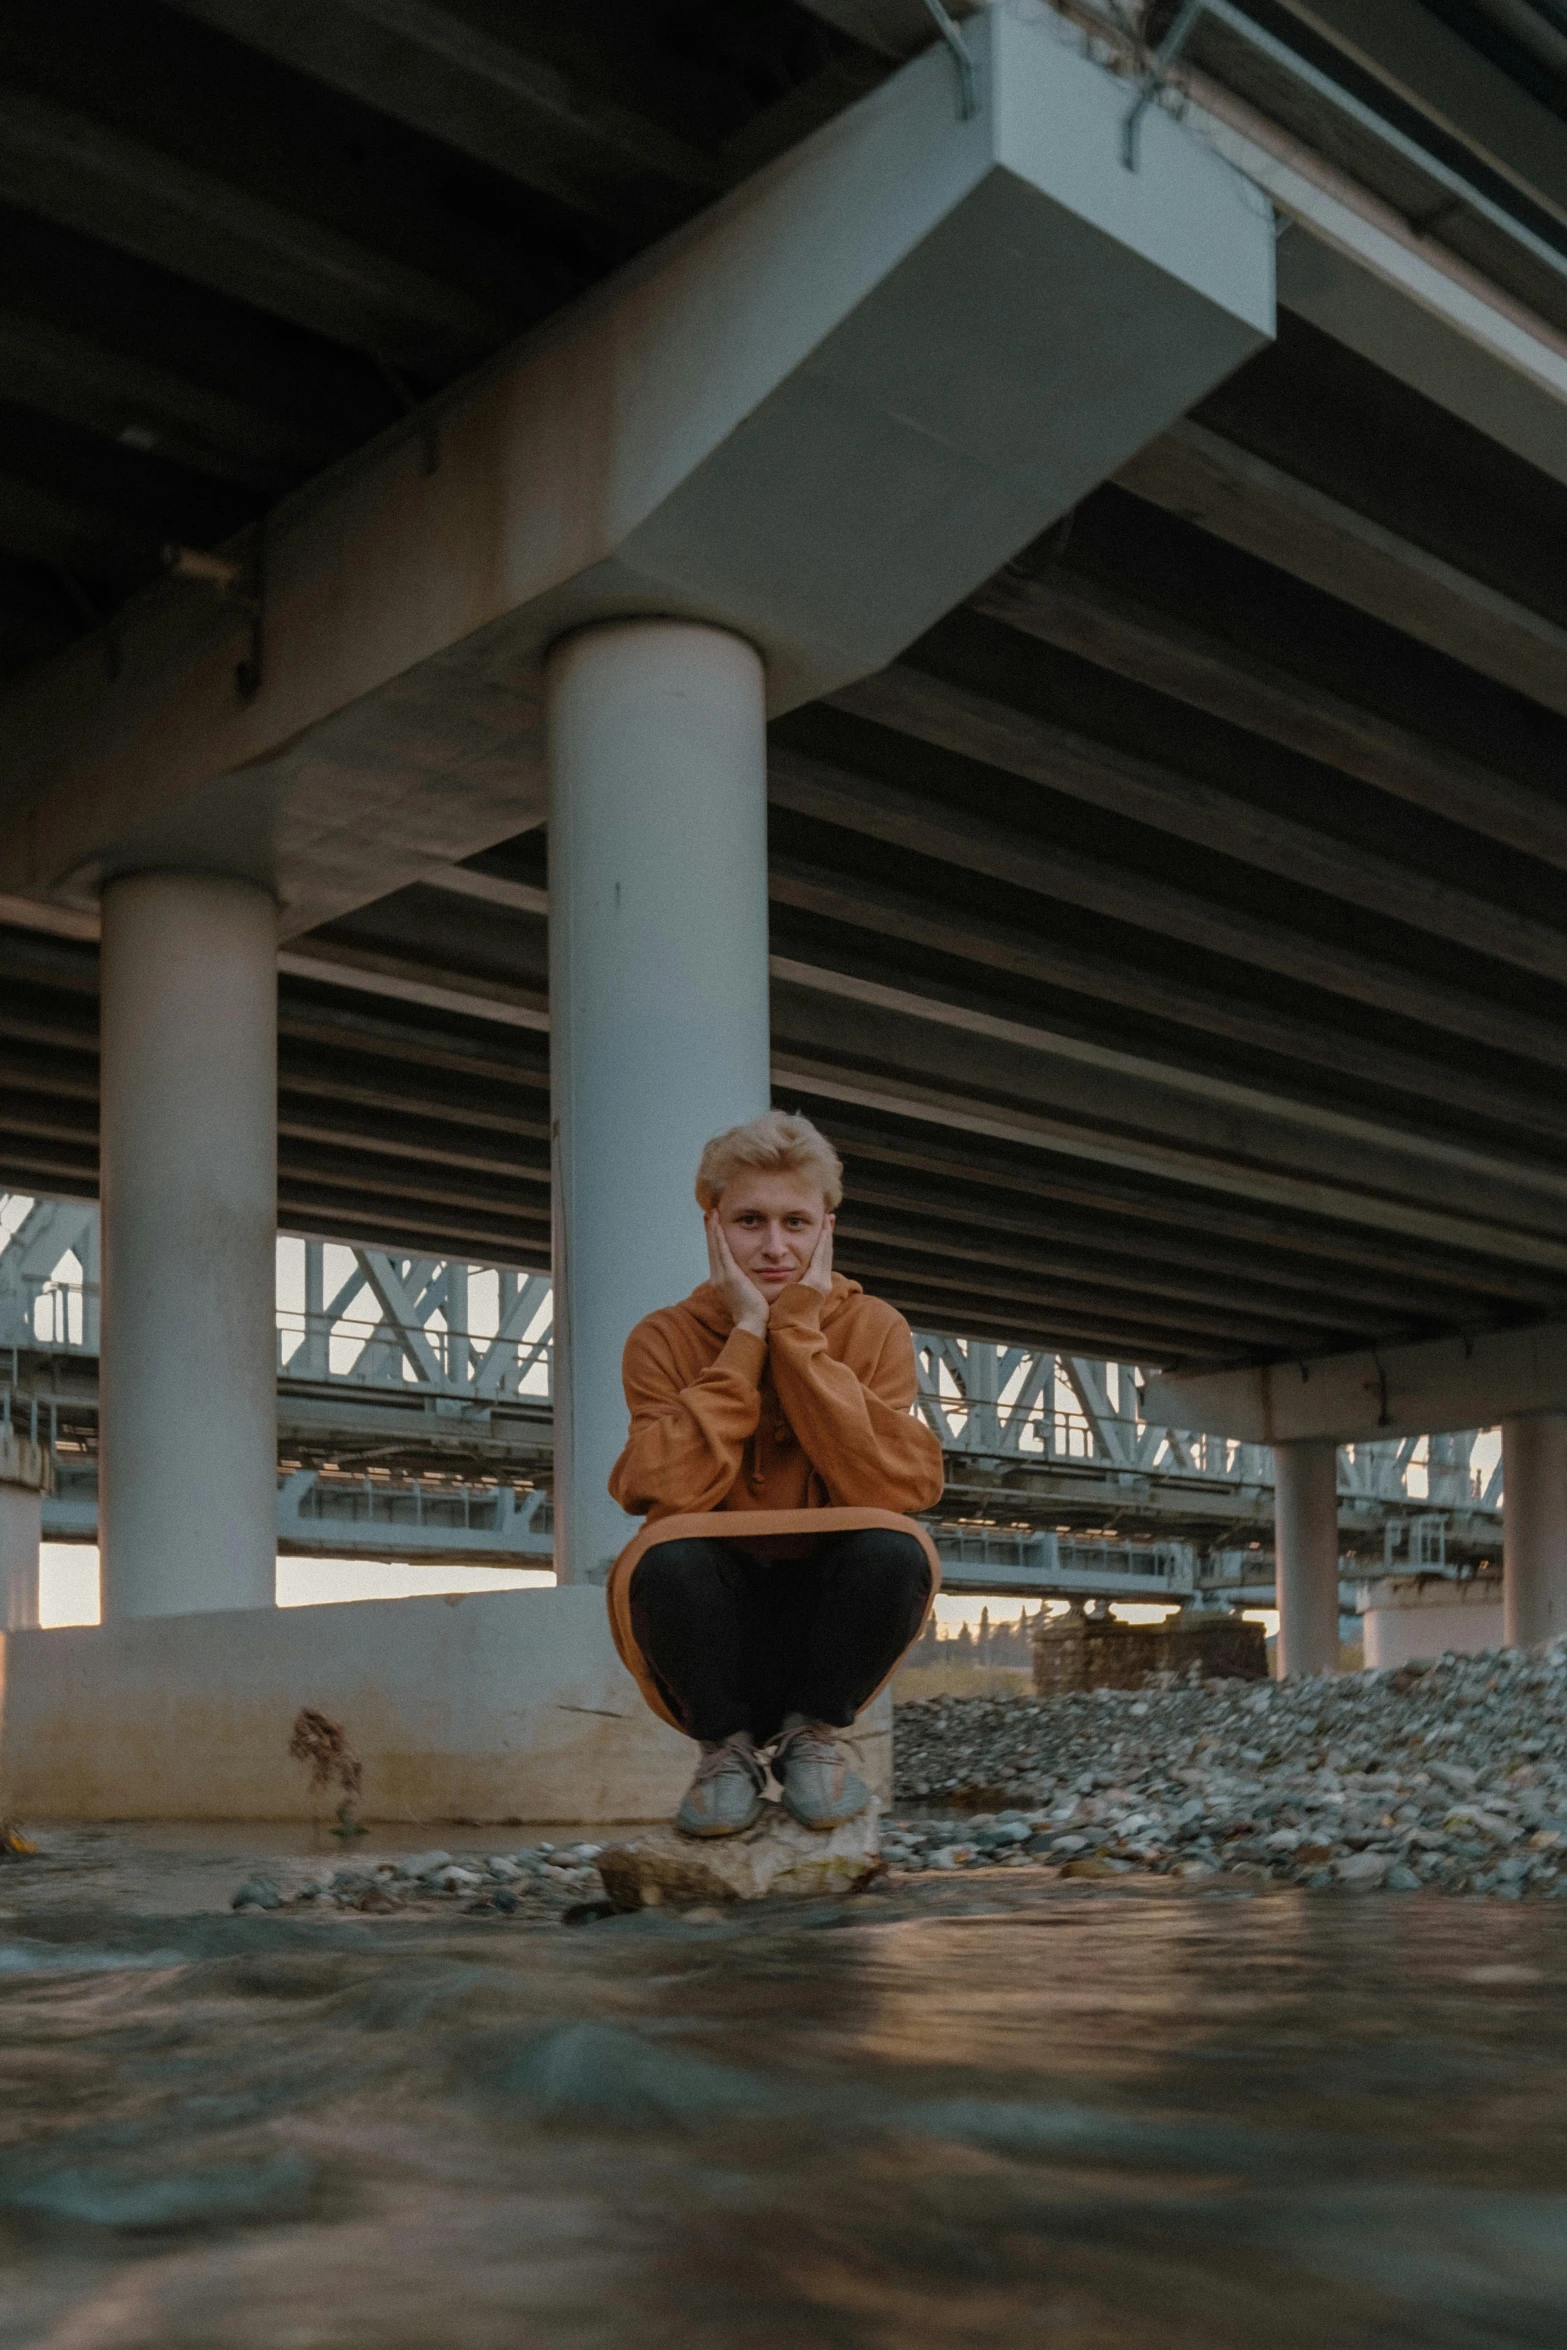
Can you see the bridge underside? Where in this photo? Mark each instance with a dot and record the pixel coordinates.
(1107, 494)
(1171, 939)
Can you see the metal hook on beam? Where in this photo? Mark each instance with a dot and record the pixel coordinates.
(1164, 57)
(963, 58)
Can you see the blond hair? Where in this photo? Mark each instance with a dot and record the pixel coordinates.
(774, 1144)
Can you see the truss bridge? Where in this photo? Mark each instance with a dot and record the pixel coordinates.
(415, 1421)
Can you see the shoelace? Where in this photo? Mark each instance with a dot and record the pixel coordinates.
(824, 1745)
(737, 1749)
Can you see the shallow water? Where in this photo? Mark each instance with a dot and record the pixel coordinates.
(954, 2114)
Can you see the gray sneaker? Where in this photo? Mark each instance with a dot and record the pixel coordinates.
(811, 1765)
(726, 1794)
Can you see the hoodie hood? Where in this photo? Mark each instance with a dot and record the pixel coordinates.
(706, 1305)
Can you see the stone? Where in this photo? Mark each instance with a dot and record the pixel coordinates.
(259, 1893)
(775, 1858)
(423, 1864)
(1363, 1870)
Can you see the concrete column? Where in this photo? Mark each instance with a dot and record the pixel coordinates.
(658, 1002)
(187, 1369)
(1534, 1528)
(24, 1471)
(21, 1514)
(1305, 1485)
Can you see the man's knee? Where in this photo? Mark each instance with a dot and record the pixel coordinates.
(675, 1572)
(888, 1561)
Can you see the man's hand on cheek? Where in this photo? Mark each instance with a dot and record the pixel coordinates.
(818, 1273)
(748, 1308)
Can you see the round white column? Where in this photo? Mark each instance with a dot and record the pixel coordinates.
(658, 1002)
(21, 1526)
(1534, 1528)
(1305, 1504)
(187, 1368)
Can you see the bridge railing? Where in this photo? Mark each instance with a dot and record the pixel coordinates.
(470, 1337)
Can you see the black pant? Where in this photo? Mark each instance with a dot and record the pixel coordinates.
(735, 1641)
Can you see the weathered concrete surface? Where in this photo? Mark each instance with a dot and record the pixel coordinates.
(818, 416)
(24, 1478)
(1412, 1618)
(777, 1857)
(503, 1706)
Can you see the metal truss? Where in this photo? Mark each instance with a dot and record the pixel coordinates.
(49, 1282)
(407, 1322)
(1024, 1403)
(463, 1340)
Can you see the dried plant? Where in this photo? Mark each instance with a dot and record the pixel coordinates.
(323, 1744)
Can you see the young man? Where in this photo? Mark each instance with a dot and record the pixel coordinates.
(778, 1385)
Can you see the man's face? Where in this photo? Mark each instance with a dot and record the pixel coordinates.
(772, 1224)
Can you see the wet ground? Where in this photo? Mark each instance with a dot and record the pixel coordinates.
(968, 2112)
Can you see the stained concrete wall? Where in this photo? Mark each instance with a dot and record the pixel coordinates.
(507, 1705)
(1426, 1620)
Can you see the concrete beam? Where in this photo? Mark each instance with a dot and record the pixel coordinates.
(1186, 1120)
(1100, 623)
(1415, 1390)
(819, 416)
(529, 117)
(1040, 954)
(950, 715)
(1119, 1200)
(78, 171)
(1511, 388)
(1254, 504)
(953, 835)
(1378, 280)
(893, 28)
(1469, 101)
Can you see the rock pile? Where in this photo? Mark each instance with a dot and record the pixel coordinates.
(1451, 1776)
(538, 1881)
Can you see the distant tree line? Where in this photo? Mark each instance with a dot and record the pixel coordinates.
(989, 1644)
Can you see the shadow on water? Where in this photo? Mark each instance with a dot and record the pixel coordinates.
(937, 2117)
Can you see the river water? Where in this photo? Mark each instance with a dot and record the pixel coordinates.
(966, 2114)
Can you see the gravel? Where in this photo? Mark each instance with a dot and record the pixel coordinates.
(1450, 1776)
(543, 1880)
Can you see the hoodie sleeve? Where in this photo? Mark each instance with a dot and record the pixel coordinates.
(686, 1443)
(859, 1432)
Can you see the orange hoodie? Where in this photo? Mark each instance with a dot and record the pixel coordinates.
(819, 1414)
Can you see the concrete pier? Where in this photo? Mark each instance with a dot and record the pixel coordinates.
(1306, 1546)
(1534, 1528)
(187, 1371)
(24, 1474)
(658, 997)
